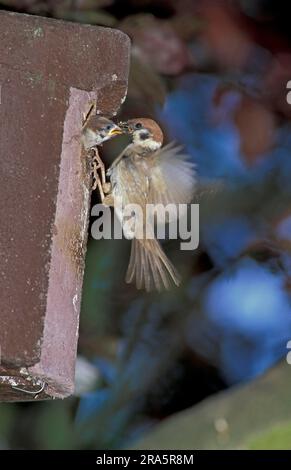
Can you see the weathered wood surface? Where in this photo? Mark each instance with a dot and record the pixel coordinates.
(49, 72)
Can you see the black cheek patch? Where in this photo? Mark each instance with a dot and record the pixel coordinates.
(144, 135)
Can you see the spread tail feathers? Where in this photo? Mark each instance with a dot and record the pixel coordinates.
(149, 266)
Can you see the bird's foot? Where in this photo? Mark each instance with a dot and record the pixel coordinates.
(98, 173)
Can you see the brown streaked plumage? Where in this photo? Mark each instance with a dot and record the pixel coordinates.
(144, 174)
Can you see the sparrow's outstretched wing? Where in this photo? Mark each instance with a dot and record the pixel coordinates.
(171, 176)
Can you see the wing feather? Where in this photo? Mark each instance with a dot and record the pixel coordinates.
(149, 267)
(172, 176)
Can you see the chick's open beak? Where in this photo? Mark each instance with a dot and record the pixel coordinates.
(114, 131)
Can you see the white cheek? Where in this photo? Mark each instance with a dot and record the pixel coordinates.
(152, 144)
(149, 143)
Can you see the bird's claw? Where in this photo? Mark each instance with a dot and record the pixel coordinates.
(99, 180)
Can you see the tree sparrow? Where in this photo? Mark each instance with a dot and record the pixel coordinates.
(144, 173)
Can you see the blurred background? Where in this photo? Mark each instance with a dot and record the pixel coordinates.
(214, 75)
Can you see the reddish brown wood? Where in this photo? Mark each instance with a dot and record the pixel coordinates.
(49, 72)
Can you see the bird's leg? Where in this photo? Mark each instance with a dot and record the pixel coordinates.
(99, 180)
(100, 166)
(96, 180)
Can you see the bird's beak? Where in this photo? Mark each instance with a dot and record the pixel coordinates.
(115, 131)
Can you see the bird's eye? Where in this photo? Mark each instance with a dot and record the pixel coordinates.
(108, 127)
(138, 125)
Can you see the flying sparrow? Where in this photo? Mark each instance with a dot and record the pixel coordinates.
(144, 173)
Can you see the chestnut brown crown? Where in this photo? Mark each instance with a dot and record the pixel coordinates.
(149, 126)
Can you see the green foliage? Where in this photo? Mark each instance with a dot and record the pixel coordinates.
(55, 426)
(277, 438)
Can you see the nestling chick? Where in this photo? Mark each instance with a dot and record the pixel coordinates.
(97, 130)
(144, 174)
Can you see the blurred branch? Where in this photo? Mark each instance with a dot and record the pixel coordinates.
(221, 422)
